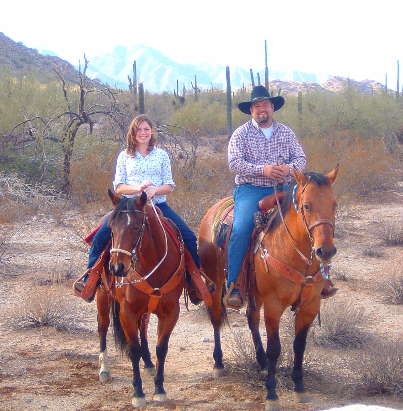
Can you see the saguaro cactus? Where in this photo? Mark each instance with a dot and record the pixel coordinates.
(229, 103)
(398, 81)
(266, 69)
(141, 99)
(195, 89)
(251, 78)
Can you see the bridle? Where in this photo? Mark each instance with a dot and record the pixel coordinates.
(300, 208)
(137, 247)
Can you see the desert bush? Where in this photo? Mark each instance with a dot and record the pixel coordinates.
(373, 250)
(391, 231)
(342, 325)
(390, 285)
(92, 172)
(43, 306)
(381, 367)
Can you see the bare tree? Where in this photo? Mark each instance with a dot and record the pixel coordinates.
(87, 112)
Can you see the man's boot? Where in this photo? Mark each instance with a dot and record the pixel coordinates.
(329, 290)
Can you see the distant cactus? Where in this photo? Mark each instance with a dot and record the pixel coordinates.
(134, 78)
(229, 103)
(398, 81)
(386, 83)
(194, 87)
(258, 78)
(141, 99)
(251, 78)
(266, 69)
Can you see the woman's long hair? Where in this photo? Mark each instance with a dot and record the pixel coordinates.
(131, 142)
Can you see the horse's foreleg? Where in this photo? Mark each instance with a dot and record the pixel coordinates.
(166, 323)
(303, 322)
(297, 376)
(145, 351)
(138, 399)
(103, 306)
(253, 322)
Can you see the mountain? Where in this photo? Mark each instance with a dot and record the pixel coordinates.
(22, 60)
(158, 73)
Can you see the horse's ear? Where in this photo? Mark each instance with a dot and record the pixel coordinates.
(299, 177)
(142, 200)
(115, 199)
(333, 174)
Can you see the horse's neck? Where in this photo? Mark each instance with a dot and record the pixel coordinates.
(288, 240)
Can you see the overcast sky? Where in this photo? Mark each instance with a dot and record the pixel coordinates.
(357, 39)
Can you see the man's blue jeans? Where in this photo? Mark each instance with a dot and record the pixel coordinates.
(103, 235)
(246, 198)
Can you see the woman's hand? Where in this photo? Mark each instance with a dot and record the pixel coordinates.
(151, 192)
(144, 184)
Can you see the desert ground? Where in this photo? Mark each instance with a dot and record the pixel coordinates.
(56, 368)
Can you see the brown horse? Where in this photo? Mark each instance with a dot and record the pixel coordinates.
(291, 264)
(145, 275)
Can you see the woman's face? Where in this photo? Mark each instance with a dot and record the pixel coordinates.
(144, 132)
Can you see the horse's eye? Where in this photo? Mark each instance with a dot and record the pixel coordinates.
(307, 208)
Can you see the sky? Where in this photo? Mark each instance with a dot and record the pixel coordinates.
(358, 39)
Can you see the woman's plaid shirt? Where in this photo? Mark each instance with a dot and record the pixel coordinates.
(249, 152)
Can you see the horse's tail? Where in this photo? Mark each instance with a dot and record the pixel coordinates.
(120, 338)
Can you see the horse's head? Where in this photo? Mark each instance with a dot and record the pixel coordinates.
(314, 200)
(127, 223)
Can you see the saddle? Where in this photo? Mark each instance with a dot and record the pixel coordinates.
(222, 227)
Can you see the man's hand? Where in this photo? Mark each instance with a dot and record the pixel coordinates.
(275, 172)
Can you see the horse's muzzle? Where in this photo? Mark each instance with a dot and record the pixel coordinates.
(118, 269)
(325, 255)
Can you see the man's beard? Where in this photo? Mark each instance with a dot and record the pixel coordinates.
(263, 118)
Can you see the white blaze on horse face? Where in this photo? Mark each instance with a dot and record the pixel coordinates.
(128, 219)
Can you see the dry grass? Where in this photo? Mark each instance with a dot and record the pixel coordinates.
(44, 306)
(391, 231)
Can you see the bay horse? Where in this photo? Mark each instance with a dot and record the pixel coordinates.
(291, 261)
(146, 274)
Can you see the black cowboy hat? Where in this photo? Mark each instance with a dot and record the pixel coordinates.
(260, 93)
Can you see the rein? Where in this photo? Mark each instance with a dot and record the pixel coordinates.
(134, 254)
(290, 272)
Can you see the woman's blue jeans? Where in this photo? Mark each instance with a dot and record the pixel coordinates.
(246, 198)
(104, 234)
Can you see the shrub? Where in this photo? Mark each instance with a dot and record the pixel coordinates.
(342, 325)
(391, 231)
(43, 306)
(381, 374)
(391, 285)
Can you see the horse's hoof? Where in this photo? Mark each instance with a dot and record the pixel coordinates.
(160, 397)
(150, 371)
(218, 372)
(272, 405)
(301, 397)
(138, 402)
(104, 377)
(263, 375)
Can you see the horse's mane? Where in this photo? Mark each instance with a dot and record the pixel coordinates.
(316, 178)
(125, 203)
